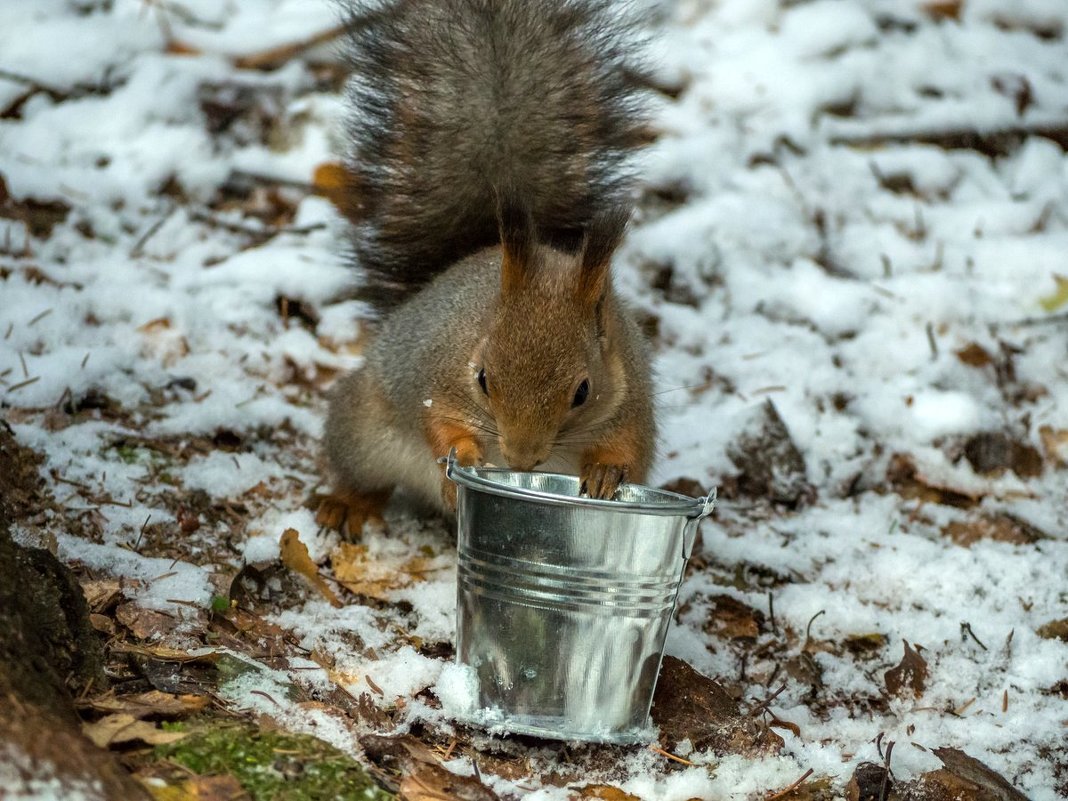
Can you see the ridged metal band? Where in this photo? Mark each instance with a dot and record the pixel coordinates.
(568, 589)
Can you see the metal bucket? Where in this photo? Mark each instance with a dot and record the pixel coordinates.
(563, 602)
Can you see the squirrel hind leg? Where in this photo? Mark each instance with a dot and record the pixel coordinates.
(349, 510)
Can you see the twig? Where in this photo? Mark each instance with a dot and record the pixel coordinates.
(966, 628)
(141, 534)
(791, 788)
(261, 692)
(811, 620)
(139, 245)
(763, 705)
(25, 383)
(669, 755)
(995, 143)
(277, 56)
(39, 317)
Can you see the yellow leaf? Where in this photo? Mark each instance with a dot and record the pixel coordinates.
(375, 577)
(294, 555)
(1059, 297)
(123, 728)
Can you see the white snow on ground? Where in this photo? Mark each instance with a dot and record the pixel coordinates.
(805, 265)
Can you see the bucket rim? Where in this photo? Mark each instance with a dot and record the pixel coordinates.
(678, 505)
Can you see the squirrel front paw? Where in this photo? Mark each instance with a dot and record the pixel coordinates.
(602, 480)
(348, 511)
(468, 454)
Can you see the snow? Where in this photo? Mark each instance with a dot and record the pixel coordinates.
(808, 264)
(25, 778)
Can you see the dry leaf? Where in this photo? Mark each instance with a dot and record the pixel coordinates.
(911, 672)
(123, 728)
(144, 624)
(294, 555)
(362, 574)
(1059, 296)
(204, 788)
(987, 781)
(734, 620)
(996, 527)
(1054, 630)
(690, 706)
(1055, 444)
(605, 791)
(101, 594)
(994, 452)
(975, 355)
(908, 482)
(943, 9)
(153, 702)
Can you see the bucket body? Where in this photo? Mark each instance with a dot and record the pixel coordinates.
(563, 602)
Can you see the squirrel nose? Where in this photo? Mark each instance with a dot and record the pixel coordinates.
(523, 457)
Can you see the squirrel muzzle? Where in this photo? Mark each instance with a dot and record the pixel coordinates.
(524, 452)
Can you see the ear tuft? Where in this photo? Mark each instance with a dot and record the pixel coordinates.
(518, 238)
(603, 236)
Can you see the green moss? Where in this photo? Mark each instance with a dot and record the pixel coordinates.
(272, 766)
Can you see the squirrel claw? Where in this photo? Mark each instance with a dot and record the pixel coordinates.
(348, 512)
(602, 480)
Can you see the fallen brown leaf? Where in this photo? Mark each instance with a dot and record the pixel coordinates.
(911, 672)
(1055, 444)
(294, 555)
(207, 788)
(962, 770)
(994, 452)
(734, 620)
(996, 527)
(604, 791)
(974, 355)
(101, 594)
(943, 9)
(362, 574)
(122, 728)
(910, 483)
(690, 706)
(422, 776)
(152, 702)
(144, 624)
(1054, 630)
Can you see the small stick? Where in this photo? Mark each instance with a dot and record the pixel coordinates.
(261, 692)
(966, 627)
(25, 383)
(39, 317)
(811, 620)
(790, 789)
(277, 56)
(663, 753)
(1005, 701)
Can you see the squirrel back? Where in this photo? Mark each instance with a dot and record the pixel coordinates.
(458, 102)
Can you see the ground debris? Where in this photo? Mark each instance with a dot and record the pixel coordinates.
(771, 465)
(910, 673)
(689, 706)
(414, 770)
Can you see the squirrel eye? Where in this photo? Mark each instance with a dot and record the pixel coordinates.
(482, 380)
(581, 393)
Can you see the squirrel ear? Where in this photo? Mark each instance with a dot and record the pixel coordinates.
(518, 239)
(603, 236)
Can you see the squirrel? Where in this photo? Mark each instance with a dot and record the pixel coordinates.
(491, 178)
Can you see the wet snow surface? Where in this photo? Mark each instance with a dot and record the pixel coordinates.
(822, 230)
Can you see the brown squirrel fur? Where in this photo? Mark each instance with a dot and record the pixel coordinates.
(491, 148)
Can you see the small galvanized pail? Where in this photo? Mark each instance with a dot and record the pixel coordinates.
(563, 602)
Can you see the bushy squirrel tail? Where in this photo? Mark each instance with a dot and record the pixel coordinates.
(454, 102)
